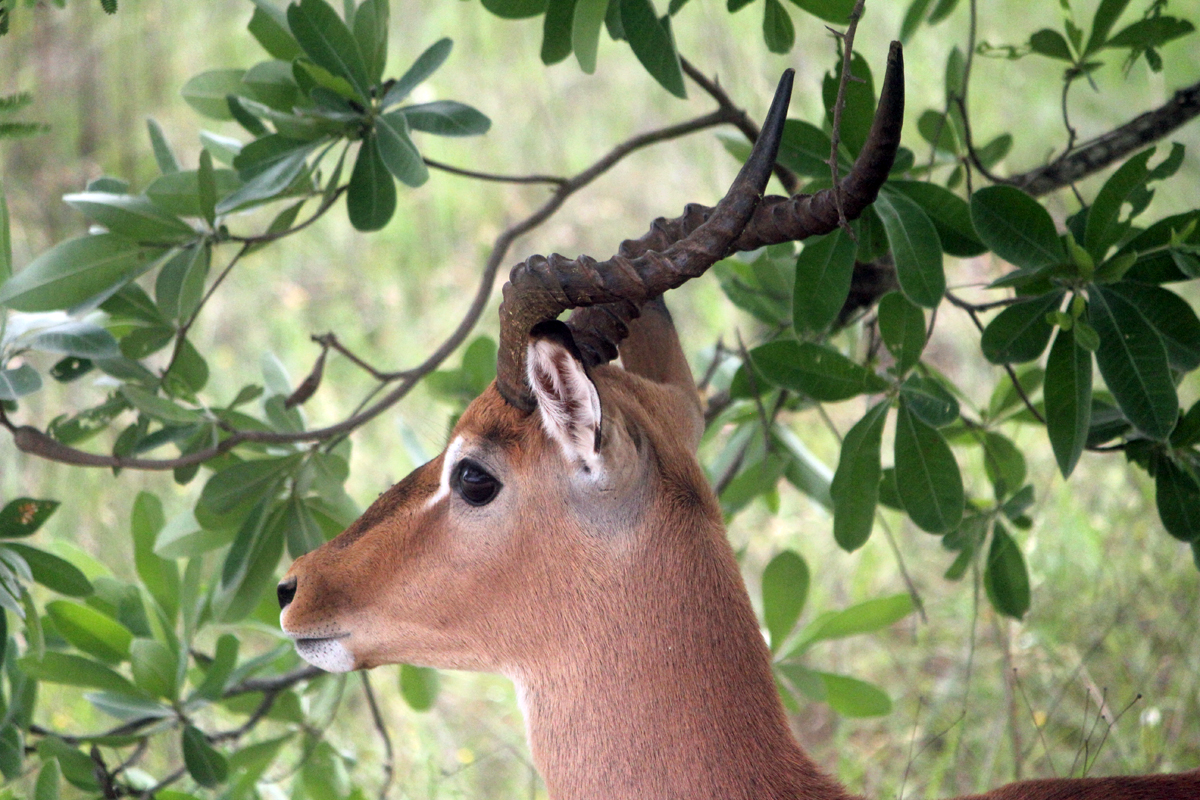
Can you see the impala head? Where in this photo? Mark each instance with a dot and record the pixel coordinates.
(560, 476)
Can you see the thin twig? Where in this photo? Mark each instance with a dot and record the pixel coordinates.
(330, 340)
(389, 760)
(1041, 732)
(839, 106)
(488, 176)
(909, 584)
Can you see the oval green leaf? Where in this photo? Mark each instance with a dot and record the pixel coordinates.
(814, 370)
(89, 630)
(916, 248)
(855, 486)
(206, 766)
(784, 591)
(902, 328)
(54, 573)
(371, 196)
(1020, 332)
(1068, 396)
(1004, 575)
(1177, 496)
(1133, 363)
(823, 271)
(445, 118)
(927, 477)
(418, 686)
(74, 271)
(1015, 227)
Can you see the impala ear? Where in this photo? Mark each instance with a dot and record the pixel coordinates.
(567, 401)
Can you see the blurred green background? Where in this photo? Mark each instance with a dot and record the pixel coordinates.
(1115, 600)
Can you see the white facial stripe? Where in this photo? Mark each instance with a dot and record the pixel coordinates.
(449, 459)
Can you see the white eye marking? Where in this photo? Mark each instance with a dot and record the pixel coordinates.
(449, 459)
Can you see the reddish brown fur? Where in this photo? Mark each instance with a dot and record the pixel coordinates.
(622, 618)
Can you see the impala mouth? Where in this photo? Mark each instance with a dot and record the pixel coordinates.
(325, 652)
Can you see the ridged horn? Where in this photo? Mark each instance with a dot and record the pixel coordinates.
(540, 289)
(599, 329)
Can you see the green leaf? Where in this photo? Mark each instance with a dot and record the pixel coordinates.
(778, 32)
(1068, 395)
(1051, 43)
(855, 486)
(823, 271)
(851, 697)
(1106, 16)
(1133, 363)
(12, 751)
(179, 192)
(804, 149)
(1003, 463)
(586, 23)
(784, 590)
(1178, 498)
(515, 9)
(23, 516)
(220, 669)
(866, 617)
(913, 18)
(207, 92)
(915, 248)
(829, 10)
(159, 408)
(556, 31)
(1015, 227)
(269, 26)
(237, 488)
(5, 239)
(1004, 575)
(949, 213)
(927, 477)
(206, 766)
(1020, 332)
(814, 370)
(160, 577)
(860, 101)
(19, 382)
(937, 129)
(371, 196)
(74, 271)
(48, 779)
(180, 284)
(418, 686)
(80, 339)
(91, 631)
(1171, 317)
(756, 479)
(371, 33)
(445, 118)
(129, 707)
(53, 572)
(325, 39)
(1152, 32)
(1103, 227)
(653, 44)
(154, 668)
(902, 328)
(425, 65)
(249, 569)
(269, 166)
(77, 768)
(72, 670)
(929, 400)
(162, 149)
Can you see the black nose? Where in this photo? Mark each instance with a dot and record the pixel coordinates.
(286, 591)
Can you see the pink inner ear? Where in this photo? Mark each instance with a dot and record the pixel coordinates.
(567, 400)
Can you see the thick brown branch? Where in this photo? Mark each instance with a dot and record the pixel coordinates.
(1113, 146)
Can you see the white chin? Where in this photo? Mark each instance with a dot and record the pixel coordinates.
(327, 654)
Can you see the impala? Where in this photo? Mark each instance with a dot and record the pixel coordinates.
(568, 538)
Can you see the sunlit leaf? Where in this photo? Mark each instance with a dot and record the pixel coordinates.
(784, 591)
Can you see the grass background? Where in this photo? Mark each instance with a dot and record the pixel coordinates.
(1115, 598)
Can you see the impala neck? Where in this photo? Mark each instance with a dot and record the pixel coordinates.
(665, 691)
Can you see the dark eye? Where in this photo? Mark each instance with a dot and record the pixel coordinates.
(477, 486)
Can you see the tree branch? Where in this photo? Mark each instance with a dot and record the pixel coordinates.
(33, 441)
(488, 176)
(839, 106)
(1113, 146)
